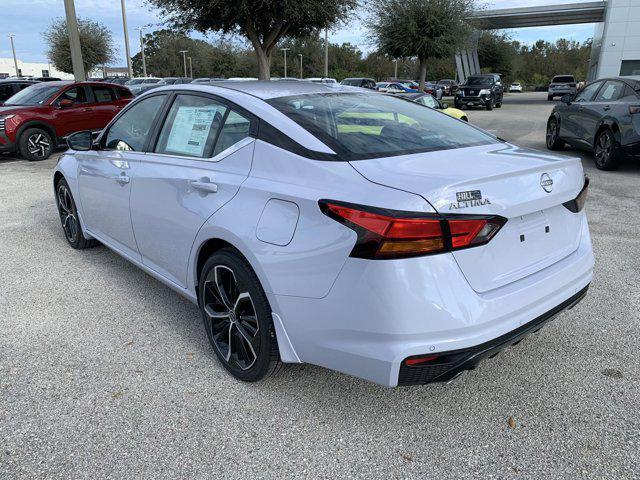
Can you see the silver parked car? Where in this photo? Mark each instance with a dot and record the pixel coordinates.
(332, 225)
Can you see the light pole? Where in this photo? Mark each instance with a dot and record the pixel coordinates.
(126, 39)
(395, 75)
(300, 55)
(74, 41)
(190, 68)
(15, 59)
(144, 60)
(326, 52)
(285, 60)
(184, 58)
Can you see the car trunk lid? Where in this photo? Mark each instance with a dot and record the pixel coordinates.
(524, 186)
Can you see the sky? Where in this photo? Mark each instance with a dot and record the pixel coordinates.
(27, 19)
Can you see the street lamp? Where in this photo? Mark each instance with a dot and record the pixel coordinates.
(190, 68)
(15, 59)
(144, 60)
(395, 76)
(184, 58)
(126, 38)
(285, 60)
(300, 55)
(326, 52)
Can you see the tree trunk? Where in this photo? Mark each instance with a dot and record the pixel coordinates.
(264, 64)
(423, 72)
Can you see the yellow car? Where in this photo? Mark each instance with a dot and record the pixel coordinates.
(430, 101)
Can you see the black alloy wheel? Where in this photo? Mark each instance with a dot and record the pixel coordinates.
(606, 151)
(553, 135)
(35, 144)
(237, 317)
(69, 218)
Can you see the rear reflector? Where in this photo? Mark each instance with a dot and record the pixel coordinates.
(411, 362)
(394, 234)
(633, 109)
(577, 204)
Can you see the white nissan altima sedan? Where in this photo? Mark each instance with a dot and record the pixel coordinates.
(333, 225)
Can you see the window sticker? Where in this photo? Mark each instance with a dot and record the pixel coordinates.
(190, 130)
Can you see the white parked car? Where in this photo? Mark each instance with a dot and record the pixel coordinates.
(515, 87)
(321, 80)
(333, 226)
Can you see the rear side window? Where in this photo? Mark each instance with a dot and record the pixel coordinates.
(191, 127)
(236, 127)
(610, 92)
(131, 130)
(103, 94)
(629, 95)
(360, 125)
(123, 93)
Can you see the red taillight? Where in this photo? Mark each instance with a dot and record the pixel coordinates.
(633, 109)
(393, 234)
(577, 204)
(412, 362)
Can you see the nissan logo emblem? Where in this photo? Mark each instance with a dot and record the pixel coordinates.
(546, 182)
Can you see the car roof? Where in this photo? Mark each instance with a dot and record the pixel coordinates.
(266, 90)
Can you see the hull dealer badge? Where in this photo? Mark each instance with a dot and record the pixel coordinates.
(471, 198)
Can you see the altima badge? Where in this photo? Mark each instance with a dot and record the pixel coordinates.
(470, 198)
(546, 182)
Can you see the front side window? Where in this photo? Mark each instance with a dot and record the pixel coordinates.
(428, 101)
(76, 95)
(130, 131)
(360, 125)
(610, 92)
(6, 91)
(587, 92)
(191, 127)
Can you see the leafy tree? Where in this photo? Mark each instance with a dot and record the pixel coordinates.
(496, 53)
(263, 22)
(96, 44)
(426, 29)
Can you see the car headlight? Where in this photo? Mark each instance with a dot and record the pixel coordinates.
(485, 92)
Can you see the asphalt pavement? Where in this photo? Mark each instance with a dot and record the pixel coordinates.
(106, 373)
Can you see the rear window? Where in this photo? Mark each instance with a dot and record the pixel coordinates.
(352, 82)
(563, 79)
(360, 126)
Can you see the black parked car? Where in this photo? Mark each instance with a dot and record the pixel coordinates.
(449, 87)
(604, 117)
(484, 90)
(11, 86)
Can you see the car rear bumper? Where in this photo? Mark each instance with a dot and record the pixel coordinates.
(562, 91)
(379, 313)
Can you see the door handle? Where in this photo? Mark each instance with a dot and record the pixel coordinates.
(606, 108)
(204, 185)
(122, 179)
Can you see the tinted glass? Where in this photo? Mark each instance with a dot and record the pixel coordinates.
(629, 95)
(103, 94)
(563, 79)
(610, 92)
(630, 67)
(76, 95)
(236, 128)
(588, 92)
(34, 95)
(361, 125)
(124, 93)
(130, 131)
(191, 127)
(479, 80)
(428, 101)
(6, 91)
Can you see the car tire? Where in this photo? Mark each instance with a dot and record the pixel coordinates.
(489, 106)
(35, 144)
(606, 151)
(237, 317)
(70, 219)
(457, 105)
(553, 135)
(499, 104)
(464, 119)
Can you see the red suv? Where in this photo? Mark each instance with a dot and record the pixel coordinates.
(37, 119)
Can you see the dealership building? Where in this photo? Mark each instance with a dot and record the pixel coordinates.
(616, 40)
(25, 69)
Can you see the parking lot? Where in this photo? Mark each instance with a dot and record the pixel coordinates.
(106, 373)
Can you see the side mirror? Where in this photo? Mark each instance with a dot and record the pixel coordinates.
(66, 103)
(566, 98)
(80, 141)
(445, 105)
